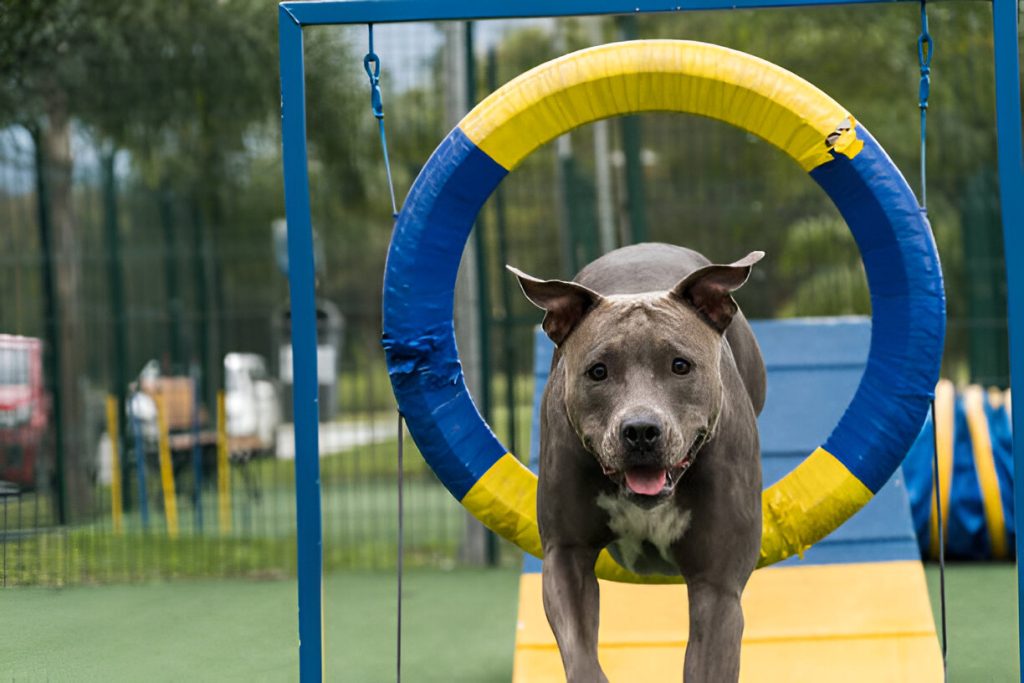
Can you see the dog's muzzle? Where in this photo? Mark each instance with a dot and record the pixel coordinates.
(655, 481)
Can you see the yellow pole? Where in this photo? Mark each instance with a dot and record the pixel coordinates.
(115, 464)
(985, 468)
(944, 417)
(223, 468)
(166, 472)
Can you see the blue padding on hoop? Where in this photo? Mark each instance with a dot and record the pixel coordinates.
(419, 286)
(899, 257)
(907, 333)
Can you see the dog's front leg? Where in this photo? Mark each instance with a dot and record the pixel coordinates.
(571, 603)
(716, 628)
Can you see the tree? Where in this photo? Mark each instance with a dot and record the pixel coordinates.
(40, 88)
(187, 88)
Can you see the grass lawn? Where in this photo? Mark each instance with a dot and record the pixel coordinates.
(981, 616)
(459, 626)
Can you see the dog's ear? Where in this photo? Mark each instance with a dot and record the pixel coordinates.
(709, 289)
(565, 303)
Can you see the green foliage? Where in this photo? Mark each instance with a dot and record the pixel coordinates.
(183, 85)
(522, 49)
(189, 92)
(190, 89)
(836, 285)
(37, 41)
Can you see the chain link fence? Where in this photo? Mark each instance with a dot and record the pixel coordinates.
(145, 427)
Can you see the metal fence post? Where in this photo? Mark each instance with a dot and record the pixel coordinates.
(115, 281)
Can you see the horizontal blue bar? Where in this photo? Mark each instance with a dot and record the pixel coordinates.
(386, 11)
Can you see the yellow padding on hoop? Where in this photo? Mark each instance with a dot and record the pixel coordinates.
(661, 75)
(799, 510)
(808, 504)
(505, 499)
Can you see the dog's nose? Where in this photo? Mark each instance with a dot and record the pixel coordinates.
(640, 433)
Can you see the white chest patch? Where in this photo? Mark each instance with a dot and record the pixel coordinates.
(660, 526)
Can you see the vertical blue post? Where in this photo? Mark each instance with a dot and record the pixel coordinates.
(303, 324)
(1011, 198)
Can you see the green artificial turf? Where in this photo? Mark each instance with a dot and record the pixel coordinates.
(459, 626)
(981, 609)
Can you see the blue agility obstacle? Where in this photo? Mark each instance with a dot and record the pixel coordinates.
(971, 430)
(894, 238)
(893, 278)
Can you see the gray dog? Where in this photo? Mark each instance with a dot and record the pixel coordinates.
(649, 445)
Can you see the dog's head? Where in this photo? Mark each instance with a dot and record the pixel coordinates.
(643, 390)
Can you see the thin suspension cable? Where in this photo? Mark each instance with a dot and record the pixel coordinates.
(942, 534)
(371, 64)
(925, 50)
(401, 551)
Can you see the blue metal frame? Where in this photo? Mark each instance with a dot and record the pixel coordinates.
(293, 16)
(303, 328)
(389, 11)
(1011, 196)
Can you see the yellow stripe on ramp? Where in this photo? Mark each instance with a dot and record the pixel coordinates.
(841, 622)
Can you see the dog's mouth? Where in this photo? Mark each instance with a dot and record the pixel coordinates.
(653, 480)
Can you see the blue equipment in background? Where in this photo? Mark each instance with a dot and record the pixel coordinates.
(976, 473)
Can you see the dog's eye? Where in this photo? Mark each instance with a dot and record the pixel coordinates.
(597, 372)
(681, 366)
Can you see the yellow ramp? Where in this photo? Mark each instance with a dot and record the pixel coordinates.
(827, 622)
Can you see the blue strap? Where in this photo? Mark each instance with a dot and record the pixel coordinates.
(925, 48)
(371, 64)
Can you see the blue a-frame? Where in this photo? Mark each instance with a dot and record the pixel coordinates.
(294, 16)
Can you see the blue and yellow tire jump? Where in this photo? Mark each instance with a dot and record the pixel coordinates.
(895, 241)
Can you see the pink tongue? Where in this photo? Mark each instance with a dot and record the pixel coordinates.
(647, 481)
